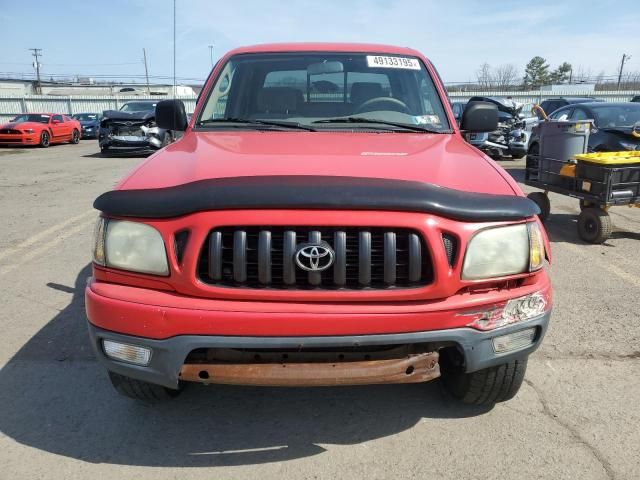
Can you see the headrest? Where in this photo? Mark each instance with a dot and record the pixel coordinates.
(279, 99)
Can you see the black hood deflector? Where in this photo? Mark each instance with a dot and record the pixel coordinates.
(313, 192)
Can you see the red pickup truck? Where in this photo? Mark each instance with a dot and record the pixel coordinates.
(321, 222)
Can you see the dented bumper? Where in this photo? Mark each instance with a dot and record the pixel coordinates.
(168, 365)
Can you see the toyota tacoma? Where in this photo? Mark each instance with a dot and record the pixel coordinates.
(321, 222)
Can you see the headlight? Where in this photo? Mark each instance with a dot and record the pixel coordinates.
(28, 130)
(500, 251)
(629, 145)
(129, 246)
(153, 130)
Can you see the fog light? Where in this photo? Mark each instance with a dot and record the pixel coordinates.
(127, 353)
(514, 341)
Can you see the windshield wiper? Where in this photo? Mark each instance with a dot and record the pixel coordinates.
(246, 121)
(406, 126)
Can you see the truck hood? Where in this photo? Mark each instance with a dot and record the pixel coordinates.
(440, 159)
(135, 116)
(23, 125)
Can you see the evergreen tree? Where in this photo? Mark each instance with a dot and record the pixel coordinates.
(536, 72)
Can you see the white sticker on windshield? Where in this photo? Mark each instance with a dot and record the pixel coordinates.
(378, 61)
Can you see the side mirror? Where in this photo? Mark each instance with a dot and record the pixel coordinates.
(479, 117)
(55, 122)
(171, 115)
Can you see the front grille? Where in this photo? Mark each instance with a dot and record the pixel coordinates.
(9, 131)
(121, 128)
(364, 258)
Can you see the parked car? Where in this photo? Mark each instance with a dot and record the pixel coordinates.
(509, 138)
(614, 125)
(90, 123)
(41, 129)
(132, 130)
(550, 105)
(295, 237)
(458, 108)
(636, 98)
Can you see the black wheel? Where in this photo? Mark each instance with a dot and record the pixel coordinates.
(45, 139)
(542, 200)
(167, 139)
(139, 390)
(584, 204)
(488, 386)
(594, 225)
(75, 137)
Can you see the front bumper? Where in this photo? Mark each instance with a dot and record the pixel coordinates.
(24, 139)
(127, 146)
(168, 355)
(93, 133)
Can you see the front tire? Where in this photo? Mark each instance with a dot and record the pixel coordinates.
(594, 225)
(487, 386)
(140, 390)
(45, 139)
(166, 139)
(75, 137)
(542, 200)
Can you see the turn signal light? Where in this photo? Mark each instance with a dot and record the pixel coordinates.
(124, 352)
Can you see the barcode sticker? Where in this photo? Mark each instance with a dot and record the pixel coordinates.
(378, 61)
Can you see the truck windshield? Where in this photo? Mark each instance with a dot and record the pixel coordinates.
(324, 90)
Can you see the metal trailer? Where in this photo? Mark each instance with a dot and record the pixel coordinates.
(599, 180)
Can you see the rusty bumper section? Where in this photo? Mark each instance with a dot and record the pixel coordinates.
(412, 369)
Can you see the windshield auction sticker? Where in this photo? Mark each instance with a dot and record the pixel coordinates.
(377, 61)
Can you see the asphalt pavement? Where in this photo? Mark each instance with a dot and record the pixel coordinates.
(576, 417)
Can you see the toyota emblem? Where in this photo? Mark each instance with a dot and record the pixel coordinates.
(314, 257)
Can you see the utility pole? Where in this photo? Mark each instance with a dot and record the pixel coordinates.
(174, 48)
(146, 69)
(211, 54)
(624, 57)
(37, 53)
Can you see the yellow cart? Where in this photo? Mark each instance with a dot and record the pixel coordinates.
(599, 180)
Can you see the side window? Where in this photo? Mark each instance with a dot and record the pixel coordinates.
(286, 78)
(217, 104)
(551, 106)
(561, 115)
(362, 86)
(326, 87)
(428, 101)
(579, 114)
(58, 118)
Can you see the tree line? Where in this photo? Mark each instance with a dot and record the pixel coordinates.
(538, 72)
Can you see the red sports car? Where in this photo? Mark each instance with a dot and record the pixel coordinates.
(40, 129)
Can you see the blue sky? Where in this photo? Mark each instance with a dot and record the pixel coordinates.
(100, 37)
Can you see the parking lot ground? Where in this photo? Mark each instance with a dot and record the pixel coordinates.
(577, 415)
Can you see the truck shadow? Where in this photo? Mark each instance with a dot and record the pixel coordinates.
(56, 398)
